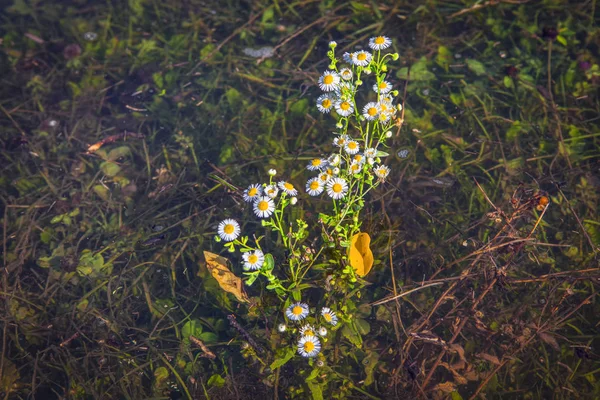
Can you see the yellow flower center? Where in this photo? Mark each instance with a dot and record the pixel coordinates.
(309, 346)
(355, 167)
(380, 40)
(372, 111)
(345, 106)
(316, 162)
(361, 56)
(314, 185)
(382, 85)
(358, 157)
(309, 332)
(252, 192)
(327, 317)
(253, 259)
(337, 188)
(288, 186)
(328, 79)
(326, 103)
(263, 205)
(229, 229)
(352, 145)
(297, 310)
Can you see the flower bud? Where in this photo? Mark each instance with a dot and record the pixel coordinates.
(336, 171)
(332, 44)
(282, 328)
(388, 134)
(272, 172)
(395, 56)
(293, 200)
(384, 68)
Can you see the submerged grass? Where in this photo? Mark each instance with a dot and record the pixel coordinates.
(486, 236)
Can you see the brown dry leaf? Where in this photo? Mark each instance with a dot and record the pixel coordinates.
(446, 387)
(490, 358)
(217, 266)
(360, 255)
(455, 347)
(549, 339)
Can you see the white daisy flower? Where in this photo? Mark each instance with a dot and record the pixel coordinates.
(361, 58)
(314, 187)
(341, 140)
(297, 311)
(322, 331)
(323, 178)
(325, 103)
(334, 159)
(229, 230)
(383, 87)
(264, 207)
(253, 191)
(345, 90)
(344, 108)
(384, 117)
(309, 346)
(253, 260)
(381, 171)
(380, 42)
(370, 152)
(307, 330)
(317, 164)
(346, 74)
(329, 316)
(355, 168)
(352, 147)
(359, 158)
(347, 57)
(271, 191)
(287, 188)
(337, 188)
(371, 111)
(329, 81)
(335, 171)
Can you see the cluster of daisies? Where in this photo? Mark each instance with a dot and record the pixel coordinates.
(340, 87)
(309, 343)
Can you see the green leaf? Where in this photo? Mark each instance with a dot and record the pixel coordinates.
(287, 356)
(109, 168)
(208, 337)
(161, 374)
(300, 107)
(191, 328)
(102, 192)
(477, 67)
(234, 98)
(216, 381)
(315, 390)
(418, 71)
(352, 336)
(562, 40)
(119, 152)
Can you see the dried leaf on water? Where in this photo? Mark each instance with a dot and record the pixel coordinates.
(217, 266)
(360, 254)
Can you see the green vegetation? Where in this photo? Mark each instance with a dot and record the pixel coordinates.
(131, 128)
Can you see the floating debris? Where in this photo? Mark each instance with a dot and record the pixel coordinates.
(90, 36)
(263, 52)
(403, 153)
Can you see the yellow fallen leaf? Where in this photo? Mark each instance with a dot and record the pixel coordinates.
(217, 266)
(360, 255)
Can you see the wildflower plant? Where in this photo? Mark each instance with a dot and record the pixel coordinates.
(363, 102)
